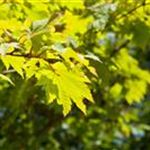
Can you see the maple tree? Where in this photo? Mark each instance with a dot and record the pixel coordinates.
(57, 55)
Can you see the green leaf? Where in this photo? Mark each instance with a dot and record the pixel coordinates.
(16, 62)
(40, 24)
(30, 67)
(5, 61)
(74, 87)
(64, 86)
(8, 47)
(3, 77)
(136, 90)
(64, 98)
(46, 78)
(51, 91)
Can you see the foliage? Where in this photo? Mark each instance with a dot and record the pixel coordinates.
(56, 56)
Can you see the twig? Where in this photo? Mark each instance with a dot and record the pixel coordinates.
(128, 13)
(117, 49)
(8, 71)
(132, 10)
(50, 61)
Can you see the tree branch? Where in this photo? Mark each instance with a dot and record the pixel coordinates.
(128, 13)
(132, 10)
(8, 71)
(49, 60)
(117, 49)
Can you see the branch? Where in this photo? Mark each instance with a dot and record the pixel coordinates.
(128, 13)
(8, 71)
(132, 10)
(49, 60)
(117, 49)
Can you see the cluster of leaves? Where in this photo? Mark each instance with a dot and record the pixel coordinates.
(39, 48)
(74, 53)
